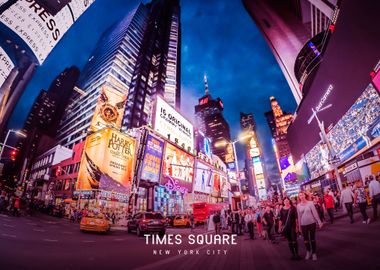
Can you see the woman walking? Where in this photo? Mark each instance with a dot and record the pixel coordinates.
(288, 226)
(308, 218)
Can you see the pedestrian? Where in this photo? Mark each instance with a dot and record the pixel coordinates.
(361, 200)
(113, 217)
(2, 203)
(259, 223)
(374, 193)
(329, 205)
(307, 220)
(210, 224)
(347, 198)
(241, 222)
(192, 224)
(216, 220)
(288, 226)
(319, 207)
(249, 219)
(268, 220)
(16, 207)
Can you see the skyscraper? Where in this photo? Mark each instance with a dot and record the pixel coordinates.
(139, 57)
(294, 30)
(279, 122)
(43, 119)
(279, 126)
(254, 160)
(210, 120)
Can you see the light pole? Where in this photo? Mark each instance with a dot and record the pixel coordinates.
(225, 142)
(4, 144)
(326, 141)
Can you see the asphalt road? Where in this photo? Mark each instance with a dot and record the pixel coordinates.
(45, 242)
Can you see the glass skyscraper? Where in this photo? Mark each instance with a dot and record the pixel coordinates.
(138, 56)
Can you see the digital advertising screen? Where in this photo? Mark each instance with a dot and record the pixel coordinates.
(40, 30)
(109, 110)
(178, 169)
(107, 162)
(151, 164)
(172, 125)
(203, 173)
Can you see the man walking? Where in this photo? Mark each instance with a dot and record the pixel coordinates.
(249, 218)
(347, 198)
(329, 205)
(374, 193)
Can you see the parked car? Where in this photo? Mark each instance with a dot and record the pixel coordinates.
(95, 223)
(181, 220)
(147, 222)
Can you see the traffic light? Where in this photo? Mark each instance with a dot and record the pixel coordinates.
(13, 155)
(58, 171)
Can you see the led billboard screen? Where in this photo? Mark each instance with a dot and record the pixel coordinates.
(40, 30)
(178, 169)
(347, 62)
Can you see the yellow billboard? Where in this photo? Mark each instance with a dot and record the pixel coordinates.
(109, 110)
(107, 162)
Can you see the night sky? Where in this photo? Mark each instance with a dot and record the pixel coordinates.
(218, 38)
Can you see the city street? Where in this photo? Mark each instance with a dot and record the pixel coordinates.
(60, 245)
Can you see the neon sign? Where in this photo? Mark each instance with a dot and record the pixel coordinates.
(173, 185)
(324, 98)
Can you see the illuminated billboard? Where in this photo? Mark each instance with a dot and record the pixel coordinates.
(172, 125)
(40, 30)
(347, 67)
(257, 166)
(301, 170)
(178, 169)
(6, 66)
(230, 155)
(107, 162)
(109, 109)
(203, 173)
(151, 164)
(254, 150)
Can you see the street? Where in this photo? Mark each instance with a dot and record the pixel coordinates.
(60, 245)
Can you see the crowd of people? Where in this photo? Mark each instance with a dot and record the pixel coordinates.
(293, 218)
(10, 204)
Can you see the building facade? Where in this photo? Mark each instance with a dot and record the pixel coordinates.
(139, 57)
(254, 160)
(288, 27)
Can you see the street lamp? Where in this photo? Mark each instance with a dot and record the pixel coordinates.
(222, 143)
(325, 140)
(4, 144)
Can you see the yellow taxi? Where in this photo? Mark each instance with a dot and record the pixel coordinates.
(94, 223)
(181, 220)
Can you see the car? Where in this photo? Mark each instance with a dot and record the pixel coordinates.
(181, 220)
(147, 222)
(94, 223)
(169, 220)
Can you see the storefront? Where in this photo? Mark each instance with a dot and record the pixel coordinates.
(104, 201)
(168, 202)
(319, 184)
